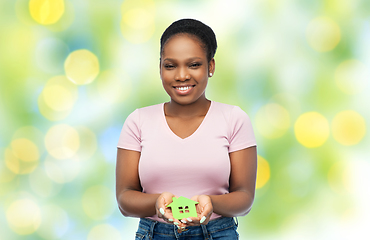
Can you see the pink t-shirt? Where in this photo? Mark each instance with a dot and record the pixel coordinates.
(198, 164)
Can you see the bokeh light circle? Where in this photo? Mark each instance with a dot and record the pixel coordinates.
(24, 216)
(351, 76)
(88, 144)
(311, 129)
(6, 175)
(62, 171)
(263, 172)
(25, 150)
(35, 135)
(42, 184)
(49, 113)
(22, 157)
(348, 127)
(323, 34)
(54, 224)
(62, 141)
(58, 98)
(81, 67)
(272, 120)
(101, 196)
(104, 231)
(138, 20)
(67, 19)
(46, 11)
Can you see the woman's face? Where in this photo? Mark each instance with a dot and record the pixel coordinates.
(184, 69)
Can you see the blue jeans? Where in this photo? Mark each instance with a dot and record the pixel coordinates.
(223, 228)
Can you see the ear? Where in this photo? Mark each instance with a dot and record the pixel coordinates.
(211, 66)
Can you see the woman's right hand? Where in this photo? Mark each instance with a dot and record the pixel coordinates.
(164, 212)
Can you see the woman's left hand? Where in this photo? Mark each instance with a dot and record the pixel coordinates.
(204, 211)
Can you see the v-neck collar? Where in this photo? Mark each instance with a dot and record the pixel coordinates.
(191, 135)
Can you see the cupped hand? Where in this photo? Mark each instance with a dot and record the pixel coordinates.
(164, 212)
(204, 210)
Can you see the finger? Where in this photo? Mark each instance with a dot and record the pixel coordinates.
(166, 215)
(162, 209)
(168, 199)
(205, 217)
(186, 220)
(207, 209)
(194, 221)
(203, 220)
(178, 223)
(160, 212)
(194, 198)
(169, 217)
(205, 214)
(190, 221)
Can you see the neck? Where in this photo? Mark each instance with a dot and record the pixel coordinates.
(198, 108)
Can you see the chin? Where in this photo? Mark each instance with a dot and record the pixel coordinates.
(185, 101)
(181, 102)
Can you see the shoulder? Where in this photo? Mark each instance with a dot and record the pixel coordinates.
(150, 109)
(229, 111)
(140, 115)
(145, 111)
(239, 127)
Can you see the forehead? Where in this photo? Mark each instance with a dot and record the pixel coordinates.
(182, 46)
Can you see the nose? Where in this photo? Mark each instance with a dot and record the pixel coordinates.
(182, 74)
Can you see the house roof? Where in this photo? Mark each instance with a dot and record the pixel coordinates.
(181, 201)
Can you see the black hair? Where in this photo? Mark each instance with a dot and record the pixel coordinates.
(195, 28)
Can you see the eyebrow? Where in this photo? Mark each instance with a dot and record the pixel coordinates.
(190, 59)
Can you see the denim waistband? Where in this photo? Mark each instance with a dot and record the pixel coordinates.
(165, 229)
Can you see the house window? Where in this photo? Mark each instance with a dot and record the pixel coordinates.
(184, 209)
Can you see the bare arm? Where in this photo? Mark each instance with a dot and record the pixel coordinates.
(131, 201)
(242, 185)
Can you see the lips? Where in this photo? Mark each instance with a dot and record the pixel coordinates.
(184, 90)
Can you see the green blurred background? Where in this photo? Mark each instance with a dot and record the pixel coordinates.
(71, 72)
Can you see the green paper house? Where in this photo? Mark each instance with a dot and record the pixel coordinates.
(183, 207)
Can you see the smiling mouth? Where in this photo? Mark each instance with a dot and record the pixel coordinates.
(185, 88)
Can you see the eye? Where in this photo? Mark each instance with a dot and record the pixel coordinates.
(169, 66)
(195, 65)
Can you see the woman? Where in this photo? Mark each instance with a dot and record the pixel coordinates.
(189, 146)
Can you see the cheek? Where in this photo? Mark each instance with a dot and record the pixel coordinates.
(202, 76)
(166, 82)
(166, 77)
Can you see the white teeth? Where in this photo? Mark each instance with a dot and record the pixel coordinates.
(183, 88)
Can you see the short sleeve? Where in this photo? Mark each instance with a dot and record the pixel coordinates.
(130, 137)
(241, 131)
